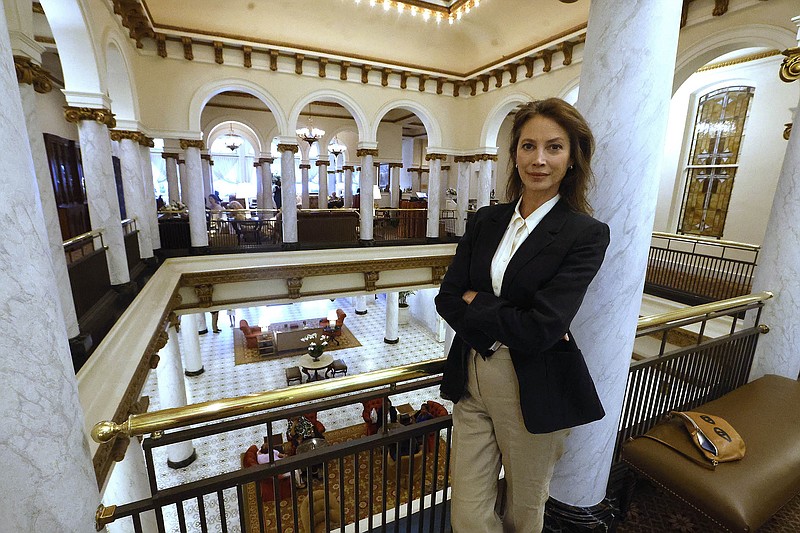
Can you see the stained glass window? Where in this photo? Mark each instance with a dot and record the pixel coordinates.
(713, 160)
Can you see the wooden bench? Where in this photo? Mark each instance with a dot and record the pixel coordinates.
(740, 495)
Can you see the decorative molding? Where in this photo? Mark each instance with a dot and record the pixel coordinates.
(294, 284)
(169, 155)
(432, 156)
(322, 163)
(218, 59)
(363, 152)
(422, 79)
(484, 157)
(739, 60)
(787, 131)
(135, 18)
(101, 116)
(30, 73)
(204, 294)
(288, 148)
(371, 279)
(268, 160)
(192, 143)
(385, 76)
(403, 80)
(298, 63)
(395, 165)
(351, 168)
(790, 68)
(323, 63)
(304, 166)
(440, 85)
(566, 48)
(365, 69)
(161, 45)
(343, 70)
(188, 54)
(273, 60)
(437, 273)
(247, 52)
(173, 321)
(118, 135)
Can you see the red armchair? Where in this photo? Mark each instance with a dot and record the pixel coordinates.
(267, 488)
(335, 330)
(369, 405)
(251, 333)
(436, 410)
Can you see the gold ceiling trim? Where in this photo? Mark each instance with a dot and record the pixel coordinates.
(740, 60)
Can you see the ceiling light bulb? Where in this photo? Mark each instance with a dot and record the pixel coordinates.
(413, 11)
(458, 15)
(386, 5)
(426, 15)
(399, 7)
(450, 20)
(372, 3)
(477, 3)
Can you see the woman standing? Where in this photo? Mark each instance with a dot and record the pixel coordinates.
(519, 275)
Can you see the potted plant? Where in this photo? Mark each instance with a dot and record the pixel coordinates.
(404, 312)
(315, 349)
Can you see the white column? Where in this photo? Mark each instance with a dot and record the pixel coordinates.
(288, 195)
(322, 177)
(348, 185)
(192, 193)
(50, 211)
(101, 187)
(366, 180)
(361, 305)
(190, 344)
(128, 482)
(444, 184)
(394, 184)
(201, 320)
(149, 196)
(173, 190)
(304, 168)
(779, 263)
(38, 389)
(434, 195)
(260, 201)
(391, 336)
(131, 167)
(629, 125)
(172, 393)
(204, 163)
(266, 182)
(485, 181)
(416, 180)
(183, 179)
(462, 195)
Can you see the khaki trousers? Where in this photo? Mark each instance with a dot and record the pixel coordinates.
(488, 431)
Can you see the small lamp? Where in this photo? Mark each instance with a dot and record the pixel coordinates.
(332, 316)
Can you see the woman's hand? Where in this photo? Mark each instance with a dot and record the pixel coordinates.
(468, 296)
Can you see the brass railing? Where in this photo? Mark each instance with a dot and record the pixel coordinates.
(695, 270)
(83, 245)
(129, 226)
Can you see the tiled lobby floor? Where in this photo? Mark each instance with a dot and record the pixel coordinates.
(223, 379)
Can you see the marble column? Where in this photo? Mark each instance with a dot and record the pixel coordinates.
(304, 201)
(131, 167)
(434, 194)
(128, 482)
(173, 189)
(266, 177)
(322, 177)
(485, 179)
(416, 179)
(190, 345)
(204, 162)
(391, 336)
(172, 393)
(629, 125)
(259, 185)
(38, 389)
(32, 79)
(361, 305)
(462, 193)
(365, 183)
(394, 184)
(149, 194)
(779, 261)
(202, 323)
(183, 180)
(348, 185)
(101, 187)
(192, 193)
(444, 184)
(288, 196)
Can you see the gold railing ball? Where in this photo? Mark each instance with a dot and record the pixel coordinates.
(105, 431)
(763, 328)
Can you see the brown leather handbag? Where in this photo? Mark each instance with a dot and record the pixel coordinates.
(712, 436)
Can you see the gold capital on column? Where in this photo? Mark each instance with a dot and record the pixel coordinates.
(362, 152)
(118, 135)
(269, 160)
(30, 73)
(429, 157)
(790, 68)
(102, 116)
(321, 163)
(288, 148)
(192, 143)
(304, 166)
(787, 131)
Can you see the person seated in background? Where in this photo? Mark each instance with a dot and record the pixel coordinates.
(301, 429)
(423, 414)
(212, 204)
(406, 446)
(264, 453)
(160, 203)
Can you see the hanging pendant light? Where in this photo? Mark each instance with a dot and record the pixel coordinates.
(310, 134)
(231, 140)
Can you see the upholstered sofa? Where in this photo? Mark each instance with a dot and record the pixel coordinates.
(251, 333)
(267, 488)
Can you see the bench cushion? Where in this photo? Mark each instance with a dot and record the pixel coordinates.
(741, 495)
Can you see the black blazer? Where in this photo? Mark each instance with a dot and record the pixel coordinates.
(543, 287)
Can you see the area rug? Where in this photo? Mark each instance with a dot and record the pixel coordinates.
(364, 508)
(243, 355)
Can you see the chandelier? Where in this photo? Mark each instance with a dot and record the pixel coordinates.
(232, 140)
(310, 134)
(336, 148)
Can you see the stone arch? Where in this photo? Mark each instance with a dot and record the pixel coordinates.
(432, 127)
(80, 59)
(121, 86)
(728, 40)
(328, 95)
(243, 127)
(213, 88)
(495, 117)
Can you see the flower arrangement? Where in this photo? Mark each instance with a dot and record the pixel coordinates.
(315, 349)
(173, 206)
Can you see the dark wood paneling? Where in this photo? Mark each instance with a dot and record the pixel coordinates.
(66, 172)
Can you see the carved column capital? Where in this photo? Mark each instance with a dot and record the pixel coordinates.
(101, 116)
(169, 155)
(304, 166)
(204, 294)
(294, 285)
(30, 73)
(192, 143)
(322, 163)
(371, 279)
(288, 148)
(118, 135)
(787, 131)
(430, 157)
(790, 68)
(363, 152)
(269, 160)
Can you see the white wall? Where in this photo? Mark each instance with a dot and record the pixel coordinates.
(761, 154)
(50, 107)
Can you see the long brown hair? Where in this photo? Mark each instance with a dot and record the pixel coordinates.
(575, 185)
